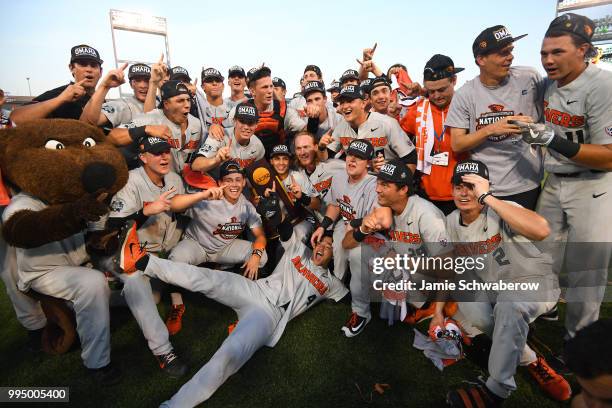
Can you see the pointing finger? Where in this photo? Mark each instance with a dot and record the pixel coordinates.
(123, 67)
(293, 180)
(81, 82)
(359, 62)
(161, 58)
(374, 47)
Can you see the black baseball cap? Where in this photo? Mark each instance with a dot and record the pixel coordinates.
(350, 92)
(469, 167)
(334, 87)
(139, 70)
(439, 67)
(492, 39)
(172, 88)
(229, 167)
(152, 144)
(84, 52)
(349, 74)
(246, 112)
(573, 23)
(379, 81)
(315, 69)
(361, 148)
(276, 81)
(313, 86)
(366, 85)
(209, 74)
(280, 149)
(179, 73)
(395, 171)
(236, 71)
(257, 73)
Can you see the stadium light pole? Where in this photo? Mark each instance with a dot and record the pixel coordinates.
(29, 89)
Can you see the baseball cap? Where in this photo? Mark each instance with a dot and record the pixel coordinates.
(229, 167)
(361, 148)
(379, 81)
(180, 74)
(439, 67)
(315, 69)
(83, 51)
(349, 74)
(493, 38)
(395, 171)
(172, 88)
(139, 70)
(582, 26)
(209, 74)
(366, 85)
(280, 149)
(335, 86)
(276, 81)
(236, 71)
(257, 73)
(152, 144)
(469, 167)
(246, 112)
(313, 86)
(350, 92)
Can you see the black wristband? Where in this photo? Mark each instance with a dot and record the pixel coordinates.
(304, 200)
(483, 196)
(322, 148)
(356, 222)
(563, 146)
(137, 133)
(313, 125)
(358, 235)
(326, 222)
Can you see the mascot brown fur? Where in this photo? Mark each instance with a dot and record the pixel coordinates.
(68, 165)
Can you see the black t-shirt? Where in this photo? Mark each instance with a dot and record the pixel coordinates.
(70, 110)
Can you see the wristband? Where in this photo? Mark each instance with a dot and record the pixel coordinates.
(257, 252)
(564, 147)
(137, 133)
(326, 222)
(356, 222)
(483, 196)
(358, 235)
(304, 200)
(322, 148)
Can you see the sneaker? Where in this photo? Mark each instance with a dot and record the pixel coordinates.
(171, 364)
(174, 320)
(473, 396)
(552, 315)
(416, 316)
(553, 385)
(355, 325)
(130, 250)
(106, 376)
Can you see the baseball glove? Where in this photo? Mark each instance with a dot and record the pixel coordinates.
(537, 134)
(59, 334)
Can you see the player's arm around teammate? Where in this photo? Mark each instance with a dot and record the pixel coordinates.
(92, 111)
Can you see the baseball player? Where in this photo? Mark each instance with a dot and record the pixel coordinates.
(349, 77)
(171, 121)
(66, 101)
(280, 89)
(213, 109)
(236, 79)
(218, 216)
(239, 143)
(311, 73)
(576, 199)
(501, 232)
(383, 132)
(116, 112)
(321, 117)
(380, 94)
(334, 91)
(145, 199)
(480, 112)
(264, 307)
(179, 73)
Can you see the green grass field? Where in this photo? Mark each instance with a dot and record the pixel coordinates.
(313, 365)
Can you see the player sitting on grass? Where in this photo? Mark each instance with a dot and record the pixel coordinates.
(299, 281)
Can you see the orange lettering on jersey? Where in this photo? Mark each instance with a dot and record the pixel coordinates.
(217, 121)
(404, 236)
(564, 119)
(174, 143)
(192, 144)
(479, 247)
(244, 163)
(378, 141)
(323, 185)
(317, 283)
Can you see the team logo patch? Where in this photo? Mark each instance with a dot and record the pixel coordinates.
(206, 148)
(501, 34)
(108, 109)
(483, 44)
(85, 51)
(388, 169)
(246, 110)
(609, 130)
(117, 205)
(229, 230)
(467, 168)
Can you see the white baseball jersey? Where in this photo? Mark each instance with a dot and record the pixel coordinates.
(298, 284)
(382, 131)
(322, 176)
(230, 103)
(124, 110)
(354, 199)
(210, 114)
(216, 223)
(292, 121)
(182, 152)
(245, 155)
(580, 111)
(159, 231)
(35, 262)
(303, 182)
(298, 103)
(507, 255)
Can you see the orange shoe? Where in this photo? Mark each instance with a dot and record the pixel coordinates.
(450, 308)
(423, 313)
(553, 384)
(130, 249)
(174, 322)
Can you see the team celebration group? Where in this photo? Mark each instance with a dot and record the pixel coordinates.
(269, 205)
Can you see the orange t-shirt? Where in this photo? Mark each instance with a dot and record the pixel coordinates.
(437, 185)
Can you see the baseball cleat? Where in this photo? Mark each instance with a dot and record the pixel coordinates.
(130, 249)
(425, 312)
(473, 396)
(174, 320)
(106, 376)
(553, 384)
(355, 325)
(171, 364)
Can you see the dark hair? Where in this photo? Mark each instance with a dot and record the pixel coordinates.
(589, 354)
(398, 65)
(577, 40)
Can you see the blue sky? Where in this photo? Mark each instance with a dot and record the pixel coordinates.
(37, 35)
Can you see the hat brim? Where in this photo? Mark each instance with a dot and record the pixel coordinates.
(220, 78)
(236, 73)
(246, 119)
(348, 97)
(162, 147)
(308, 92)
(85, 57)
(386, 177)
(288, 154)
(180, 77)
